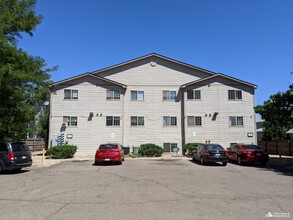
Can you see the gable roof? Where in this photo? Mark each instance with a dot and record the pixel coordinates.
(91, 75)
(158, 56)
(218, 75)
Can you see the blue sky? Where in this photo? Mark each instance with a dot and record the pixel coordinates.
(251, 40)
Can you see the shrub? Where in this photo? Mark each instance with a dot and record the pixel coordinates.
(150, 150)
(62, 151)
(190, 147)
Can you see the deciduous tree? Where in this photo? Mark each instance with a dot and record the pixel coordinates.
(24, 78)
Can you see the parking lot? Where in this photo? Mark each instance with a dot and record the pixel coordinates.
(148, 189)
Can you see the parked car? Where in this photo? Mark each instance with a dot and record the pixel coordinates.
(109, 152)
(14, 156)
(248, 153)
(210, 153)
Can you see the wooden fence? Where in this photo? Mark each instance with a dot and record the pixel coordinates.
(278, 147)
(35, 144)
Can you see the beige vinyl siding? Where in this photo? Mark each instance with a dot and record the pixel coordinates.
(214, 98)
(163, 73)
(89, 133)
(153, 108)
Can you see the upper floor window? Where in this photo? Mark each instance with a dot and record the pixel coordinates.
(113, 121)
(113, 95)
(137, 120)
(137, 95)
(169, 121)
(234, 94)
(194, 94)
(70, 94)
(194, 121)
(70, 120)
(169, 95)
(236, 121)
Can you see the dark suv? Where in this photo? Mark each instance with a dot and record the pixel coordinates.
(14, 156)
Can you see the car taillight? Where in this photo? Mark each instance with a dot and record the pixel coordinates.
(227, 154)
(10, 156)
(207, 152)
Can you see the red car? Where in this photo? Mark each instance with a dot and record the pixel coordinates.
(248, 153)
(110, 152)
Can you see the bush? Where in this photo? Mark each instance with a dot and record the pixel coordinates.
(150, 150)
(190, 146)
(61, 152)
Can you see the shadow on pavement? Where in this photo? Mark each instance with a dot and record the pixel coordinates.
(282, 166)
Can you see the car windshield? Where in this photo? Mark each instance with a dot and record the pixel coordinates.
(214, 147)
(251, 147)
(108, 146)
(19, 147)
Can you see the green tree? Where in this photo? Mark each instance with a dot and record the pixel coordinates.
(24, 80)
(278, 115)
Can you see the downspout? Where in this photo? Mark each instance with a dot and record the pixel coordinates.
(123, 120)
(182, 119)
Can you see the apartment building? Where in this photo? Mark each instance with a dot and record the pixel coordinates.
(152, 99)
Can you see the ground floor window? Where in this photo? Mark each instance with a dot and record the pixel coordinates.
(70, 120)
(113, 121)
(169, 147)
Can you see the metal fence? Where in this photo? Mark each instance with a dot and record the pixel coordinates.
(278, 147)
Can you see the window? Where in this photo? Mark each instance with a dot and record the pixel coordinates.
(194, 121)
(137, 95)
(169, 95)
(113, 121)
(70, 94)
(169, 121)
(70, 120)
(169, 147)
(234, 94)
(113, 95)
(194, 94)
(137, 121)
(235, 121)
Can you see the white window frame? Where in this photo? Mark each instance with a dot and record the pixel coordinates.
(136, 121)
(169, 121)
(196, 94)
(137, 95)
(234, 94)
(70, 121)
(168, 95)
(195, 121)
(236, 121)
(112, 94)
(115, 121)
(70, 94)
(171, 146)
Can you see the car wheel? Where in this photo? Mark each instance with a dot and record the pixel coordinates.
(224, 163)
(120, 162)
(263, 164)
(239, 160)
(0, 168)
(193, 159)
(201, 161)
(123, 158)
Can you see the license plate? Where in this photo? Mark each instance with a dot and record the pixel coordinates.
(23, 157)
(107, 159)
(217, 155)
